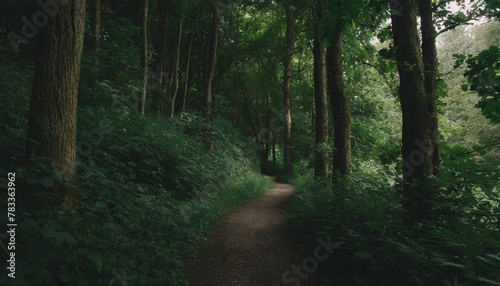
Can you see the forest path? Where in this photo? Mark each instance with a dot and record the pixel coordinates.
(252, 247)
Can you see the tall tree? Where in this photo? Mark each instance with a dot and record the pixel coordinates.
(174, 89)
(144, 57)
(320, 94)
(51, 129)
(160, 40)
(338, 97)
(192, 31)
(416, 149)
(210, 61)
(430, 59)
(287, 90)
(209, 69)
(95, 24)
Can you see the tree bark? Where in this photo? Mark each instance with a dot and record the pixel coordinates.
(320, 95)
(269, 132)
(210, 63)
(165, 80)
(287, 91)
(192, 31)
(160, 32)
(144, 59)
(51, 129)
(105, 6)
(416, 149)
(175, 71)
(209, 72)
(430, 59)
(339, 103)
(95, 24)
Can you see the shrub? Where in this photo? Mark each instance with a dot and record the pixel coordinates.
(147, 193)
(374, 247)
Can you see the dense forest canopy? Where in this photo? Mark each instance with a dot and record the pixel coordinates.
(129, 128)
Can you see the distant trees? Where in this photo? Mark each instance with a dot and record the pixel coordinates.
(483, 78)
(181, 105)
(287, 91)
(247, 60)
(144, 57)
(174, 85)
(210, 60)
(467, 121)
(95, 26)
(51, 129)
(320, 93)
(161, 19)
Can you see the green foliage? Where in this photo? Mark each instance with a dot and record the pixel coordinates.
(148, 190)
(102, 84)
(374, 247)
(483, 77)
(492, 9)
(147, 194)
(272, 168)
(462, 123)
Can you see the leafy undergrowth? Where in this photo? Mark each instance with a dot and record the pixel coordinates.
(459, 246)
(147, 193)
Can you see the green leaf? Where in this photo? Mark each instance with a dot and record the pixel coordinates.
(65, 277)
(363, 255)
(113, 227)
(100, 205)
(61, 237)
(496, 257)
(453, 264)
(97, 262)
(489, 281)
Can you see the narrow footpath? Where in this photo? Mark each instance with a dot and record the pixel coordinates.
(252, 247)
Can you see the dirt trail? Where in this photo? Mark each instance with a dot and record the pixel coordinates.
(253, 247)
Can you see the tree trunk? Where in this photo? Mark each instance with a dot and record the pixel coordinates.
(210, 62)
(105, 6)
(160, 33)
(429, 53)
(51, 129)
(416, 149)
(144, 59)
(274, 149)
(165, 76)
(269, 132)
(320, 96)
(209, 72)
(287, 91)
(95, 24)
(192, 31)
(340, 105)
(175, 75)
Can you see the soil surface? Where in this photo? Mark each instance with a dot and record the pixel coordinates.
(252, 247)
